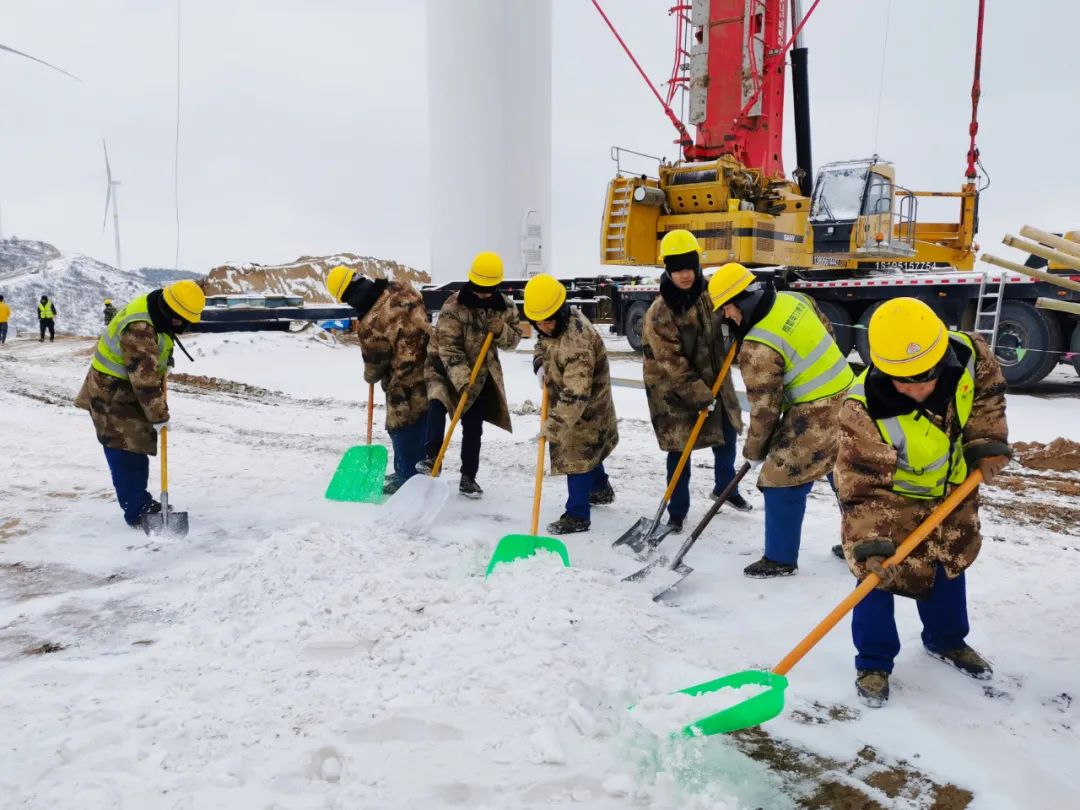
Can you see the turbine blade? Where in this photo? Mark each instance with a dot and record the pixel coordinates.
(108, 170)
(108, 198)
(40, 61)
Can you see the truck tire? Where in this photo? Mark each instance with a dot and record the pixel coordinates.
(1029, 343)
(841, 323)
(1074, 347)
(635, 321)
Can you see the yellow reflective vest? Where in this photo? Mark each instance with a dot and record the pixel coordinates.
(813, 366)
(925, 456)
(45, 311)
(109, 357)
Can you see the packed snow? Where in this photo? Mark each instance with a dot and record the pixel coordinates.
(669, 714)
(294, 653)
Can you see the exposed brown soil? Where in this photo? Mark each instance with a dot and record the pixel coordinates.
(857, 784)
(12, 527)
(44, 649)
(1060, 455)
(1050, 499)
(202, 383)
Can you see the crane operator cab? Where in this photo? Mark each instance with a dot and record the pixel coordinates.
(855, 213)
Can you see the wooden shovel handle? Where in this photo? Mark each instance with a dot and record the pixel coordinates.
(461, 404)
(943, 510)
(728, 360)
(370, 409)
(539, 485)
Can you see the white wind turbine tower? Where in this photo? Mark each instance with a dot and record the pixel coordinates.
(110, 196)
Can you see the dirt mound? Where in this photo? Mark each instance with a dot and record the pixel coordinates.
(217, 384)
(304, 277)
(1060, 455)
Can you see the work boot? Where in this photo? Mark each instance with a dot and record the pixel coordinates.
(966, 660)
(602, 496)
(568, 524)
(838, 551)
(426, 466)
(675, 524)
(873, 687)
(469, 488)
(391, 484)
(767, 569)
(735, 501)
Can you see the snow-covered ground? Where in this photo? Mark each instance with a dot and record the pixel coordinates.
(291, 654)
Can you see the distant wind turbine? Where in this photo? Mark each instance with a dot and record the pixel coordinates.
(110, 197)
(40, 61)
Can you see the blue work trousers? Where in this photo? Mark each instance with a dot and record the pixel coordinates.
(130, 474)
(579, 487)
(408, 445)
(472, 429)
(3, 332)
(784, 511)
(723, 471)
(944, 619)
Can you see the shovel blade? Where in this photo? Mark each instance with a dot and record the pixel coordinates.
(659, 577)
(754, 711)
(168, 524)
(641, 537)
(415, 506)
(359, 475)
(519, 546)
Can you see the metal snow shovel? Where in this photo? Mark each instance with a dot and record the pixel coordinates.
(662, 577)
(770, 701)
(165, 522)
(415, 506)
(647, 534)
(518, 546)
(359, 475)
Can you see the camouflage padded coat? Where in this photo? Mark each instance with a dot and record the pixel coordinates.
(580, 428)
(454, 346)
(124, 411)
(871, 510)
(683, 353)
(394, 341)
(799, 445)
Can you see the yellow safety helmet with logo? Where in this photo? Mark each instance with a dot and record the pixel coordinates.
(906, 337)
(186, 299)
(677, 242)
(338, 280)
(544, 294)
(727, 282)
(486, 269)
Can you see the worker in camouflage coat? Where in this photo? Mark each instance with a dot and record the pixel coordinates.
(571, 365)
(124, 389)
(683, 353)
(393, 329)
(795, 379)
(462, 326)
(929, 410)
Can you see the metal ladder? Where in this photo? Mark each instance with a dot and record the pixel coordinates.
(615, 238)
(988, 307)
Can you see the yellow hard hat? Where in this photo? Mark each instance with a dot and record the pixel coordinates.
(186, 299)
(544, 294)
(906, 337)
(338, 280)
(108, 300)
(486, 269)
(678, 242)
(727, 282)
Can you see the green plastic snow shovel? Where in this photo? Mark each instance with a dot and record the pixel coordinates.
(767, 704)
(518, 546)
(415, 506)
(359, 475)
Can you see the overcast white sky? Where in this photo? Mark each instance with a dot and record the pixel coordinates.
(303, 122)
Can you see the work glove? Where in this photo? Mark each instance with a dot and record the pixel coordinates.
(540, 376)
(159, 425)
(495, 325)
(888, 576)
(991, 466)
(711, 406)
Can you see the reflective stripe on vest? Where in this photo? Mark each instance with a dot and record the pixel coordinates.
(813, 366)
(923, 450)
(109, 356)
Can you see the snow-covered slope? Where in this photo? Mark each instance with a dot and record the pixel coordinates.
(77, 284)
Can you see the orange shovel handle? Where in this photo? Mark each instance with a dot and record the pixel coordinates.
(539, 485)
(461, 404)
(943, 510)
